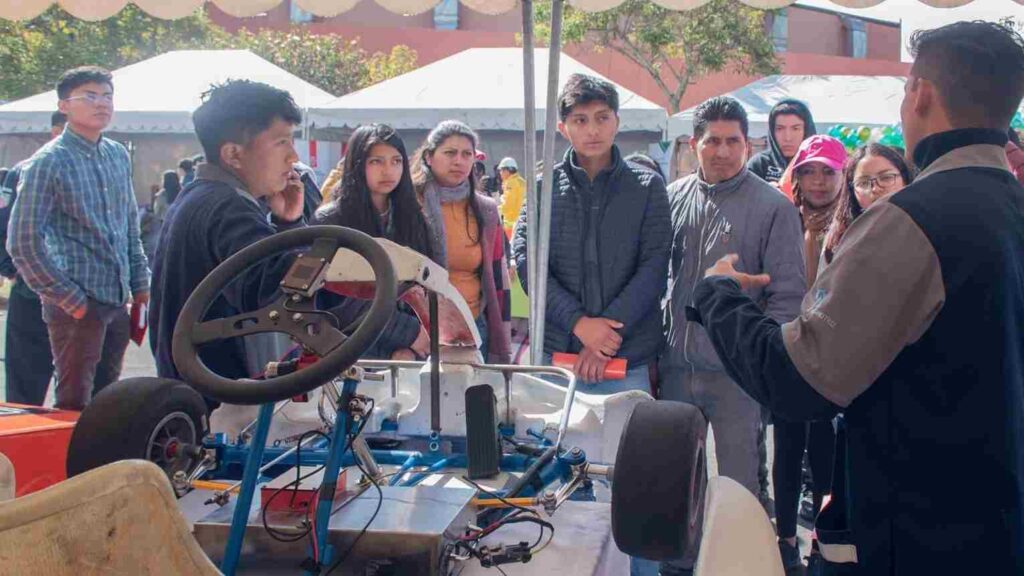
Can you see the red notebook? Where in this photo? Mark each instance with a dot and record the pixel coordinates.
(140, 321)
(614, 370)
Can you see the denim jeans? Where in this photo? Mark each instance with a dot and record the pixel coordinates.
(481, 326)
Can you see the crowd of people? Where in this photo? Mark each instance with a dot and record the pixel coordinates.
(794, 287)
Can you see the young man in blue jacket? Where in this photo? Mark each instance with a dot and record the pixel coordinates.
(247, 190)
(609, 246)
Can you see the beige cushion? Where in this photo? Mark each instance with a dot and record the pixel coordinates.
(122, 518)
(738, 539)
(7, 485)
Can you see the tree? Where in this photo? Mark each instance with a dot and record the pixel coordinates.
(676, 48)
(381, 66)
(34, 54)
(325, 60)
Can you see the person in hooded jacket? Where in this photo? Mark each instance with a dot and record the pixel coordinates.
(789, 123)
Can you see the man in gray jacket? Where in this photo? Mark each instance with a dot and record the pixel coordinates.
(725, 209)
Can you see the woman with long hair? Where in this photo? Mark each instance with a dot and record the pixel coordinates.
(817, 183)
(376, 197)
(872, 173)
(466, 232)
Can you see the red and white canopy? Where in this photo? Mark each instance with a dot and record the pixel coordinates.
(171, 9)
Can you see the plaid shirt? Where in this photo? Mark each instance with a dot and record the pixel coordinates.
(74, 230)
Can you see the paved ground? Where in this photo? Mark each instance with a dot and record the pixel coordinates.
(139, 362)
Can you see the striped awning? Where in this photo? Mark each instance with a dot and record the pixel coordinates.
(171, 9)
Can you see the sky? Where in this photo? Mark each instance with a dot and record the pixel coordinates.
(916, 15)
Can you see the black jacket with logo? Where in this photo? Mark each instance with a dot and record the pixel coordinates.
(915, 332)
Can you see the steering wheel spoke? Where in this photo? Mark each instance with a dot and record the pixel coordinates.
(259, 322)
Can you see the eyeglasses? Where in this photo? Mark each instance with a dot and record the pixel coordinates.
(884, 181)
(93, 98)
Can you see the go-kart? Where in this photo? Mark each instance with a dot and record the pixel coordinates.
(450, 453)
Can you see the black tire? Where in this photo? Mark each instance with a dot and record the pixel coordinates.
(659, 481)
(151, 419)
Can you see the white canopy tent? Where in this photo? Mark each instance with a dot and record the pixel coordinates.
(492, 103)
(157, 96)
(492, 100)
(154, 100)
(871, 101)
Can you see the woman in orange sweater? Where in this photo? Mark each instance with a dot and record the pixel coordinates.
(466, 230)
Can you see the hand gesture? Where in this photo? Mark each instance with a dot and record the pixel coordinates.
(725, 267)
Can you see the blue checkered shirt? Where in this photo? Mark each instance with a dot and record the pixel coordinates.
(74, 230)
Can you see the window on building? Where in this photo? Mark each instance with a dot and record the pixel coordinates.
(298, 15)
(856, 37)
(780, 30)
(446, 15)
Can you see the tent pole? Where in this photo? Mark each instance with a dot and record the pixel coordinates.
(544, 213)
(529, 171)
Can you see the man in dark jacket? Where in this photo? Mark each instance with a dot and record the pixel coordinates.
(789, 123)
(915, 332)
(246, 132)
(609, 246)
(28, 360)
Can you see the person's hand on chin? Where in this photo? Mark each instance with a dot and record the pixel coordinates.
(287, 204)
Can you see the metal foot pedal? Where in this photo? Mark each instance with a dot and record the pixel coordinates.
(483, 445)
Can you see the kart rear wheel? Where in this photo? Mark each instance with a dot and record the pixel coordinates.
(156, 419)
(659, 481)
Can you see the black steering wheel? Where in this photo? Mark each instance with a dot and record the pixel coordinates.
(293, 313)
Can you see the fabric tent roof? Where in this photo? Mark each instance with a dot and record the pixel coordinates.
(169, 9)
(851, 100)
(158, 95)
(480, 86)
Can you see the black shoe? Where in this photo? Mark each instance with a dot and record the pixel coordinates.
(815, 565)
(790, 555)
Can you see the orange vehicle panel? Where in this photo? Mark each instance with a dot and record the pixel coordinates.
(36, 442)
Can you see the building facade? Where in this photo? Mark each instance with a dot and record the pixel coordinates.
(808, 40)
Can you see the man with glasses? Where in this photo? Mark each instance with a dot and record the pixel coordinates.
(74, 237)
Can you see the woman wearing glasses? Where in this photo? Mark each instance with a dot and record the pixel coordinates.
(872, 173)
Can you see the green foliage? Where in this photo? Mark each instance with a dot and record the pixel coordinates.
(34, 54)
(676, 48)
(381, 66)
(327, 61)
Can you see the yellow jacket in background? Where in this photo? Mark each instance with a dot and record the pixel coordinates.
(513, 193)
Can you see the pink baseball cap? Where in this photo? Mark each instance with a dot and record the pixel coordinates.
(820, 148)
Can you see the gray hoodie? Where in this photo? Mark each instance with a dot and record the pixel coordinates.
(743, 216)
